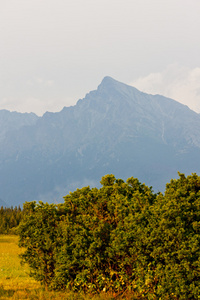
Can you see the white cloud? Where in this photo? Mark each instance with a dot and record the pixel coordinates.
(38, 95)
(33, 104)
(41, 81)
(179, 83)
(52, 50)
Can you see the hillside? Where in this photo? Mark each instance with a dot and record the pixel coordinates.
(114, 129)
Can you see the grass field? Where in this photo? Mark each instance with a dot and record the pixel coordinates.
(16, 284)
(14, 280)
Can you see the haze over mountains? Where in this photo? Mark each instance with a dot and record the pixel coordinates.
(114, 129)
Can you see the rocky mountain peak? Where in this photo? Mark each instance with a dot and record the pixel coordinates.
(114, 129)
(109, 84)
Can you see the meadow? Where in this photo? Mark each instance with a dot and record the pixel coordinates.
(15, 283)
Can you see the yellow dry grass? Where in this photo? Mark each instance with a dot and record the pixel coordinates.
(12, 274)
(16, 284)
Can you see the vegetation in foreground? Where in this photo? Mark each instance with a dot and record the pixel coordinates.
(15, 283)
(120, 239)
(13, 277)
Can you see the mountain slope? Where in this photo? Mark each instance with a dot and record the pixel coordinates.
(114, 129)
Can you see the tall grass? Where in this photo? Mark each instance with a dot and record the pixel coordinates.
(16, 284)
(12, 274)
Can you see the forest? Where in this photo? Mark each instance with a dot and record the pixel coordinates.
(120, 238)
(10, 219)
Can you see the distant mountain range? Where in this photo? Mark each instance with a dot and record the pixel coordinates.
(114, 129)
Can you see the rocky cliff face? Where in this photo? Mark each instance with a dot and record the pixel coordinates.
(114, 129)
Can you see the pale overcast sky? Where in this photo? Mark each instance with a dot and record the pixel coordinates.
(53, 52)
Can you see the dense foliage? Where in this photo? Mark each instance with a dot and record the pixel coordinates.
(121, 237)
(10, 219)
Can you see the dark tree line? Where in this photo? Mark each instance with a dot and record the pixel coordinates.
(10, 219)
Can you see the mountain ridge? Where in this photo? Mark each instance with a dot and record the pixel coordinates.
(114, 129)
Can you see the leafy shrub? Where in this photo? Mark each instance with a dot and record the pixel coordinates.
(99, 234)
(121, 237)
(38, 234)
(175, 239)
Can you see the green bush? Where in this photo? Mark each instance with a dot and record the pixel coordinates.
(38, 234)
(175, 239)
(99, 235)
(121, 237)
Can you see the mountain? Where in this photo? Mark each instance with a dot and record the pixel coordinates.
(114, 129)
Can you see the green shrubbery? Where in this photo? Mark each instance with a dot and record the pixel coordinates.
(121, 237)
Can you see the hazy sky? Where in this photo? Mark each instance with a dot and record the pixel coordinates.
(53, 52)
